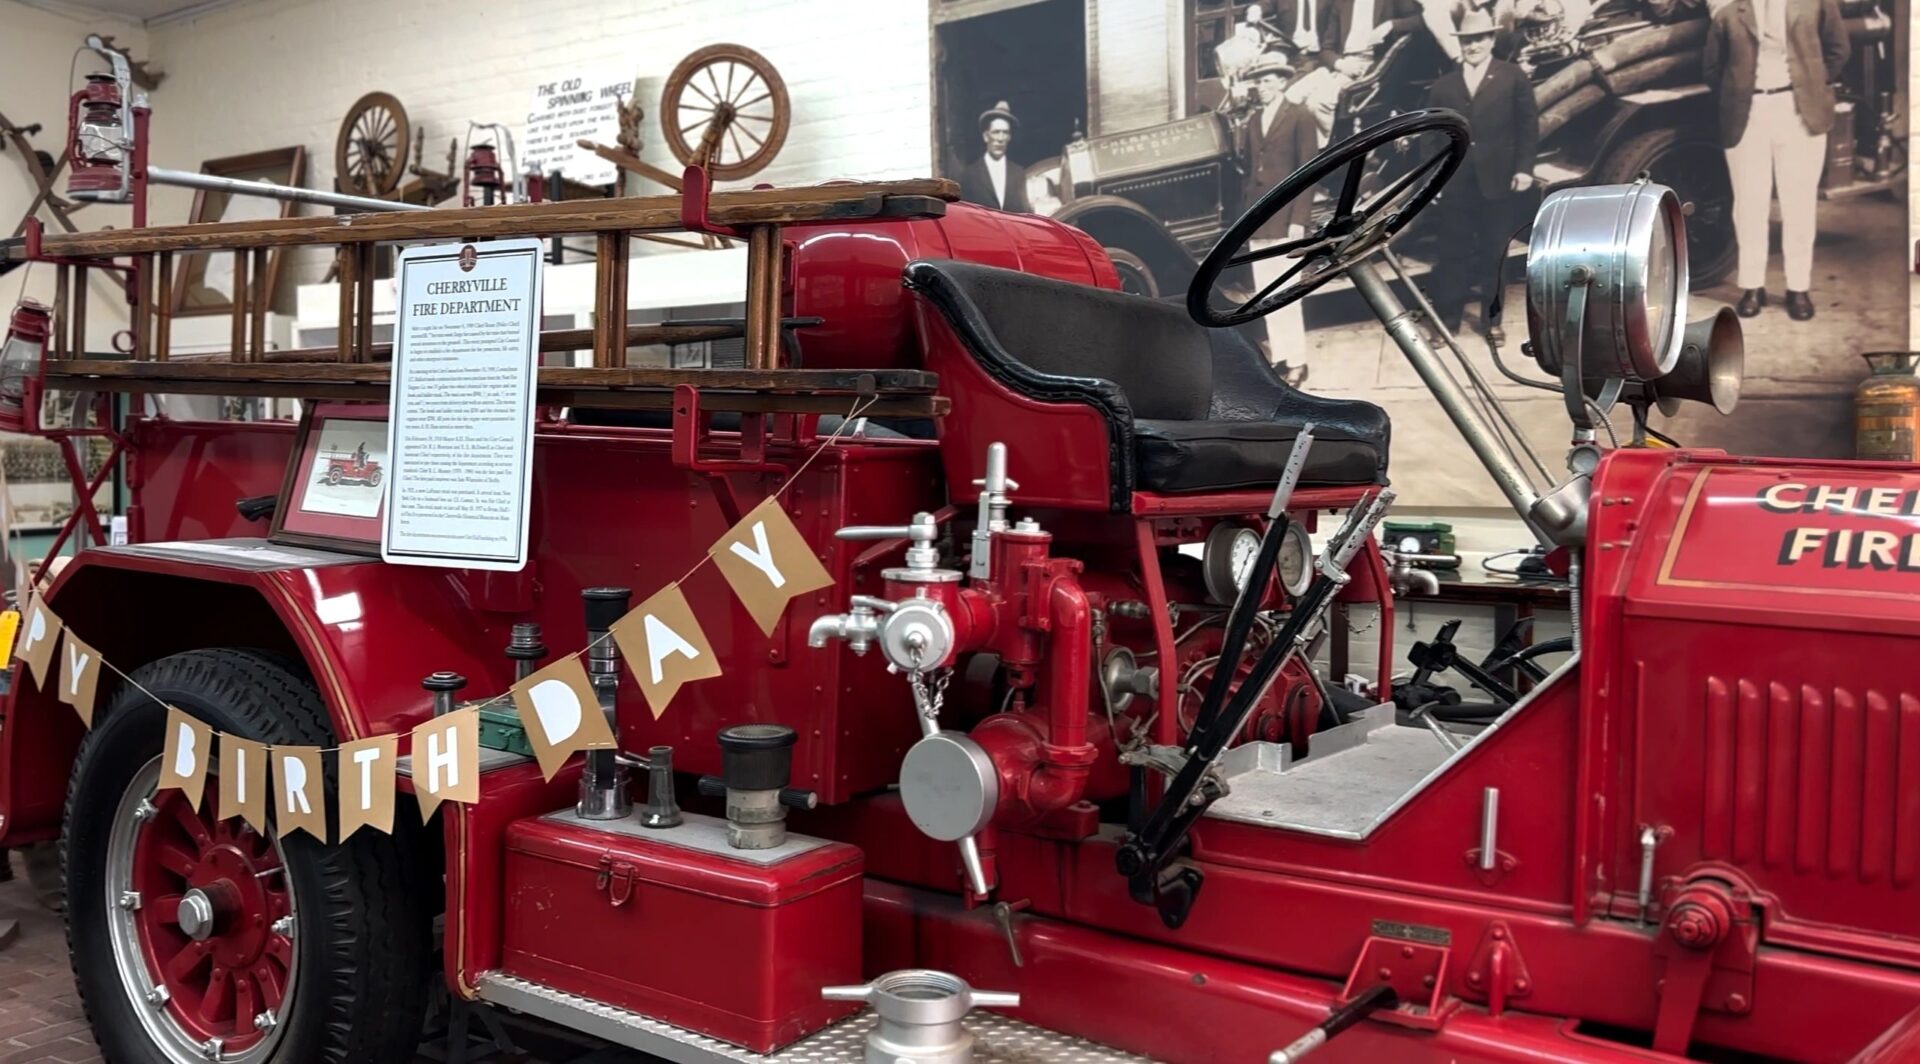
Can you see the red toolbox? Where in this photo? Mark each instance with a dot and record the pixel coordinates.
(676, 925)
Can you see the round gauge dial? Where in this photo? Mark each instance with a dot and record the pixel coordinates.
(1227, 559)
(1294, 564)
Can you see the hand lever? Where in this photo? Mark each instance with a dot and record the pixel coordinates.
(1141, 857)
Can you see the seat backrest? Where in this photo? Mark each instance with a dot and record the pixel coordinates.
(1160, 359)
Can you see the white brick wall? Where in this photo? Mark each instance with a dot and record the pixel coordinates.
(271, 73)
(36, 48)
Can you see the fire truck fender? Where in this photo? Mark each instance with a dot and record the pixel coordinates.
(1149, 258)
(367, 633)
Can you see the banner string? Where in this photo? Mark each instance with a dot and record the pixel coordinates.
(860, 406)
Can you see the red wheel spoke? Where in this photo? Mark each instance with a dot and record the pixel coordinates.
(190, 822)
(243, 1002)
(272, 990)
(215, 1003)
(185, 962)
(174, 859)
(165, 908)
(280, 948)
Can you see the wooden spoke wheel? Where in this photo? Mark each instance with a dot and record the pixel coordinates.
(370, 155)
(725, 105)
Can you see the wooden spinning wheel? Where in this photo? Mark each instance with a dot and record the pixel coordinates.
(726, 107)
(370, 155)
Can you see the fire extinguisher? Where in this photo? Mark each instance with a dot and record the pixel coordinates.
(1886, 408)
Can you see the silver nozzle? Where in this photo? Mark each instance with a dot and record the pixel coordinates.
(858, 626)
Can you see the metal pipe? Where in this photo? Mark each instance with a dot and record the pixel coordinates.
(211, 183)
(1400, 324)
(1479, 382)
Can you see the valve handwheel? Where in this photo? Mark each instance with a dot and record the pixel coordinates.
(1356, 228)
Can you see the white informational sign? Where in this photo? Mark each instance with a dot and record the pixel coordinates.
(567, 109)
(460, 407)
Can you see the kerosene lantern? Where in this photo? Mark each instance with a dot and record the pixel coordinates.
(20, 361)
(484, 176)
(97, 117)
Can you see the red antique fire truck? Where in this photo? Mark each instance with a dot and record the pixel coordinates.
(1026, 756)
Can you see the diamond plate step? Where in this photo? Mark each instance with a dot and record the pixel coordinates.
(998, 1040)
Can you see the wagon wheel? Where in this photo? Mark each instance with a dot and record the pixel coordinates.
(370, 155)
(728, 100)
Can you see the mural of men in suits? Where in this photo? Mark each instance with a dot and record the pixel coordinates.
(1281, 136)
(1772, 63)
(1352, 33)
(993, 180)
(1483, 203)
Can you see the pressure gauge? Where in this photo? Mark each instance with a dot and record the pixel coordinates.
(1295, 561)
(1228, 558)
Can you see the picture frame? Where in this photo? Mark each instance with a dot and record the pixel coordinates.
(334, 493)
(204, 281)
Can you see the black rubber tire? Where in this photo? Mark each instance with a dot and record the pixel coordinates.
(1695, 167)
(363, 927)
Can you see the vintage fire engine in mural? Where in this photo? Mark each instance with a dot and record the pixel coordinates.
(1619, 93)
(1042, 770)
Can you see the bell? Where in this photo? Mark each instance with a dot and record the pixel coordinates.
(1712, 360)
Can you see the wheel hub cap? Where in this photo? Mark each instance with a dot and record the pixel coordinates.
(196, 915)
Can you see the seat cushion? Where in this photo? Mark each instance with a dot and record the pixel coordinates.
(1187, 408)
(1177, 456)
(1161, 361)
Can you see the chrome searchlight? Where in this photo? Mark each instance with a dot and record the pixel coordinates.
(1607, 288)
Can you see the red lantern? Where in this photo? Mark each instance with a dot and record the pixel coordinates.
(21, 360)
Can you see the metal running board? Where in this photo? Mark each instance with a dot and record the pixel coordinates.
(998, 1040)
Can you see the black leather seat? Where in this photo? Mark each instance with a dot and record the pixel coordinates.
(1188, 408)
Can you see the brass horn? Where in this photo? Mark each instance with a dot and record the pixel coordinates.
(1712, 360)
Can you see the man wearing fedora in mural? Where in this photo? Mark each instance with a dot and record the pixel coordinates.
(1483, 203)
(1281, 136)
(1773, 63)
(993, 180)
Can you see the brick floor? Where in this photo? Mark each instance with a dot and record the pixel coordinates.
(40, 1017)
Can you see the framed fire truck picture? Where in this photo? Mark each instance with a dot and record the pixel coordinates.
(334, 494)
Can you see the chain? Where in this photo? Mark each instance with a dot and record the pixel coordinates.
(929, 700)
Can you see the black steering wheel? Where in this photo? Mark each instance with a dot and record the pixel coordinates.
(1355, 229)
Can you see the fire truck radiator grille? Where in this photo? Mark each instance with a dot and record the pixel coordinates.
(1819, 780)
(1183, 197)
(998, 1040)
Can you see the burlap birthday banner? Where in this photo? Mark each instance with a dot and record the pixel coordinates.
(764, 558)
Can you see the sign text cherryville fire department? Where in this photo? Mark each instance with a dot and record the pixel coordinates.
(1895, 547)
